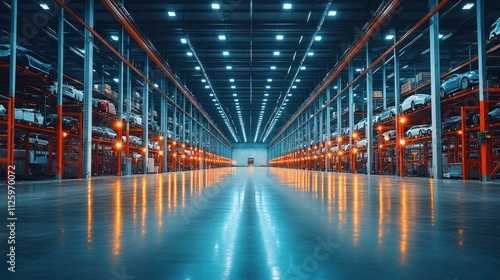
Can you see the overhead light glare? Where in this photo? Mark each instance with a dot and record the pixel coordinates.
(303, 68)
(389, 37)
(468, 6)
(45, 6)
(225, 53)
(171, 14)
(332, 13)
(279, 37)
(317, 38)
(276, 53)
(287, 6)
(189, 54)
(231, 80)
(440, 36)
(114, 37)
(310, 53)
(216, 6)
(273, 67)
(233, 87)
(229, 67)
(197, 67)
(222, 37)
(116, 80)
(269, 80)
(184, 41)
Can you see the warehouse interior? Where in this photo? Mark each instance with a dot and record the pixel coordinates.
(333, 106)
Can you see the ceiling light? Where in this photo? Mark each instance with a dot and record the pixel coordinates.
(273, 67)
(156, 85)
(269, 80)
(406, 66)
(211, 94)
(287, 6)
(114, 37)
(298, 80)
(389, 37)
(214, 100)
(234, 94)
(310, 53)
(231, 80)
(215, 6)
(171, 14)
(358, 69)
(229, 67)
(268, 87)
(203, 80)
(279, 37)
(222, 37)
(189, 53)
(289, 94)
(45, 6)
(332, 13)
(226, 53)
(207, 86)
(265, 100)
(184, 41)
(317, 38)
(233, 87)
(116, 80)
(197, 67)
(276, 53)
(468, 6)
(294, 86)
(303, 68)
(335, 87)
(236, 100)
(440, 36)
(266, 94)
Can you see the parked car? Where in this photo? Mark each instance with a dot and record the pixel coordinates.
(97, 132)
(153, 145)
(69, 123)
(134, 140)
(456, 82)
(360, 125)
(362, 143)
(419, 130)
(495, 29)
(345, 147)
(69, 91)
(36, 141)
(413, 102)
(28, 115)
(107, 106)
(30, 60)
(334, 149)
(134, 118)
(451, 123)
(376, 119)
(108, 133)
(3, 111)
(389, 135)
(387, 113)
(493, 116)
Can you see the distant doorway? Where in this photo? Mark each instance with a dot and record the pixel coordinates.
(250, 162)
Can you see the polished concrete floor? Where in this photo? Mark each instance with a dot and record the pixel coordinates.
(255, 223)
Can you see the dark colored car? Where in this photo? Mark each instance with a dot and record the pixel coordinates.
(29, 59)
(452, 123)
(456, 82)
(97, 132)
(493, 116)
(69, 123)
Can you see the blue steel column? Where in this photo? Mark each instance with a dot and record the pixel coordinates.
(384, 84)
(437, 161)
(87, 89)
(145, 120)
(60, 80)
(164, 123)
(369, 115)
(486, 149)
(328, 129)
(397, 102)
(129, 107)
(12, 80)
(121, 50)
(351, 105)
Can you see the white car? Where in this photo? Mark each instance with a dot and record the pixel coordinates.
(360, 125)
(36, 141)
(28, 115)
(69, 91)
(362, 143)
(346, 147)
(134, 140)
(334, 149)
(153, 145)
(495, 31)
(413, 102)
(109, 133)
(419, 130)
(3, 111)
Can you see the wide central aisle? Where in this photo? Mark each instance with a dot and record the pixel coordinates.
(256, 223)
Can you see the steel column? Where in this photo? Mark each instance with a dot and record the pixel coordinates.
(87, 89)
(60, 81)
(384, 84)
(486, 148)
(369, 115)
(437, 161)
(145, 119)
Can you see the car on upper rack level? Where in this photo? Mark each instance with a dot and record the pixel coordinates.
(28, 115)
(29, 59)
(419, 130)
(387, 113)
(107, 106)
(456, 82)
(68, 90)
(413, 102)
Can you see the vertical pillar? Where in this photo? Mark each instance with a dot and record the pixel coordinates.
(384, 84)
(437, 165)
(121, 50)
(60, 72)
(145, 119)
(129, 108)
(328, 130)
(12, 82)
(486, 148)
(369, 115)
(397, 101)
(87, 89)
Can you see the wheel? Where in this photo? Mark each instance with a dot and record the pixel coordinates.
(441, 92)
(464, 83)
(420, 134)
(475, 119)
(413, 105)
(429, 132)
(23, 61)
(400, 109)
(392, 114)
(409, 135)
(52, 75)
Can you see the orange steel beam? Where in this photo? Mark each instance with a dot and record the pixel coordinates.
(150, 51)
